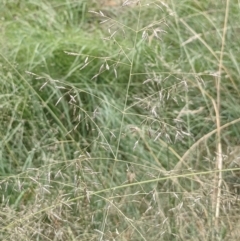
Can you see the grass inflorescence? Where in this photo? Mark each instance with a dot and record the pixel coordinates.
(119, 120)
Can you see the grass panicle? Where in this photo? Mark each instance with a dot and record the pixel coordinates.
(119, 120)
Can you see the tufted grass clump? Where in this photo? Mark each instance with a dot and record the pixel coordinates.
(120, 120)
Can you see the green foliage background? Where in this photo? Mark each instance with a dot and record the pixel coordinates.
(96, 116)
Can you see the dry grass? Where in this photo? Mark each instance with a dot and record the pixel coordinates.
(123, 129)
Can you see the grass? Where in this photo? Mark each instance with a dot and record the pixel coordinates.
(119, 123)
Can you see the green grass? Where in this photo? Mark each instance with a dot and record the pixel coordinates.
(109, 129)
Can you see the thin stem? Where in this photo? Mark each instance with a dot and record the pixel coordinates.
(218, 120)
